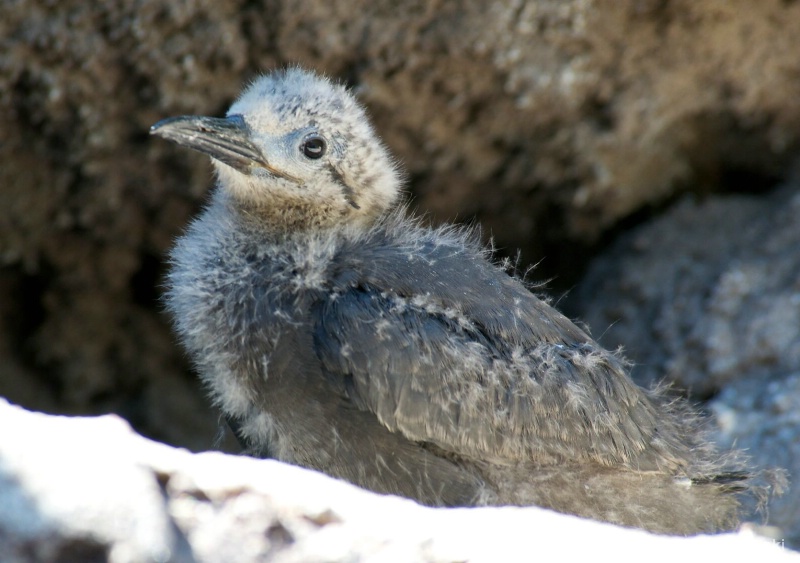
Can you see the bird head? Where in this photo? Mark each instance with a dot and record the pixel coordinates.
(296, 149)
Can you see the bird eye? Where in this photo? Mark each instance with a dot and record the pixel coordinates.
(314, 147)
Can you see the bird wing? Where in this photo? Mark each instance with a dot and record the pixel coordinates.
(446, 348)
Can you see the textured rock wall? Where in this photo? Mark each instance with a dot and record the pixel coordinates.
(708, 297)
(551, 122)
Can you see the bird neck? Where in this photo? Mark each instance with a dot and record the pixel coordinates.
(282, 219)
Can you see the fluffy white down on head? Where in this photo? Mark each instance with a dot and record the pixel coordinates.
(354, 181)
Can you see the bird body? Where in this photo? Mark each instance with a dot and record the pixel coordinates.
(337, 333)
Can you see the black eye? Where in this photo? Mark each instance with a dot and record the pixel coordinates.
(314, 147)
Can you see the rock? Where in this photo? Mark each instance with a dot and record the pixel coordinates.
(707, 297)
(707, 294)
(89, 489)
(762, 416)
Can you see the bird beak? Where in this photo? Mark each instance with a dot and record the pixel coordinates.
(225, 139)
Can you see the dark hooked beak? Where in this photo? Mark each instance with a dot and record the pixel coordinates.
(226, 139)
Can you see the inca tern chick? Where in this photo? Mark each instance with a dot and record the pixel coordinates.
(338, 334)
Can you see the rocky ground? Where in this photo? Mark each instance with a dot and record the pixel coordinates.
(668, 126)
(133, 500)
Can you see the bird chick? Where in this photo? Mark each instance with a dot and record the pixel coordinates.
(338, 334)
